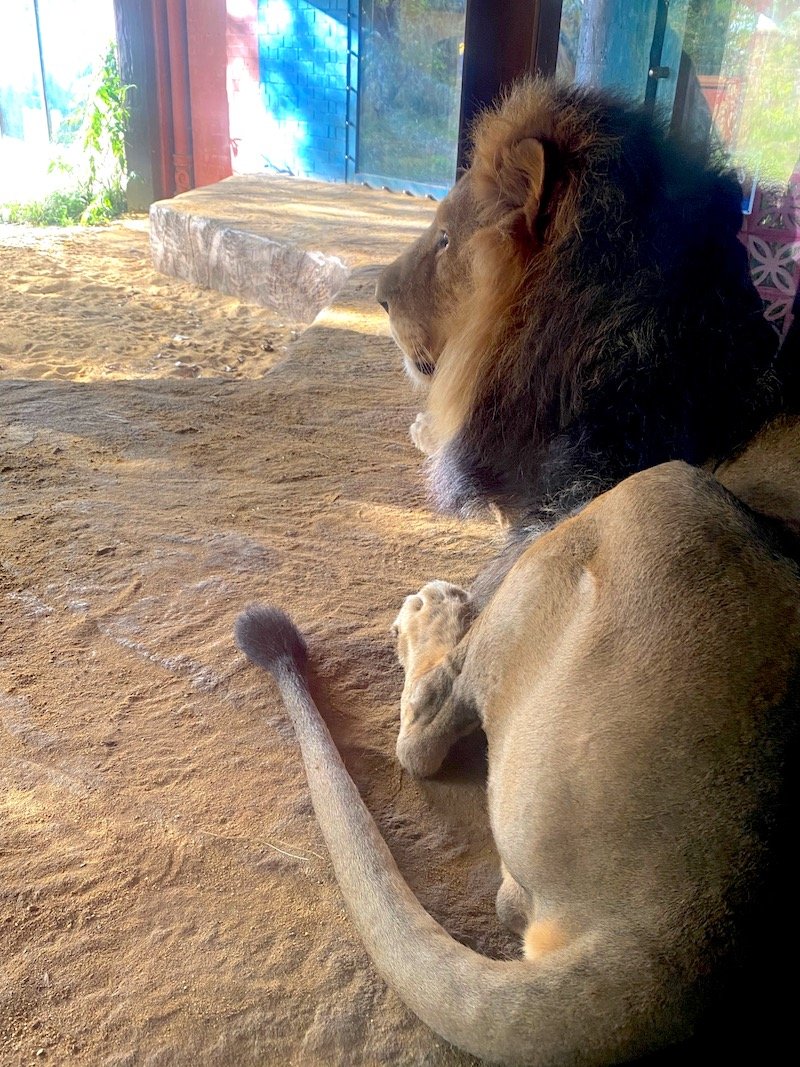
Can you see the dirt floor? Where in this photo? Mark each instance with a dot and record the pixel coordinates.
(167, 456)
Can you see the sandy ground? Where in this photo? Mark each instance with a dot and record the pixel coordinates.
(85, 305)
(165, 897)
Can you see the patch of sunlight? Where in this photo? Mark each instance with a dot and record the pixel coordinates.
(239, 9)
(21, 804)
(281, 139)
(389, 519)
(360, 320)
(370, 213)
(74, 36)
(246, 114)
(24, 174)
(275, 17)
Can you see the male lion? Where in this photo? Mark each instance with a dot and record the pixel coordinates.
(636, 677)
(583, 310)
(587, 308)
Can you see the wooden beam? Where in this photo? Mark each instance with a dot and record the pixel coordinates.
(163, 144)
(181, 99)
(503, 42)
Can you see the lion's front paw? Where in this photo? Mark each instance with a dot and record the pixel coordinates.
(422, 433)
(430, 624)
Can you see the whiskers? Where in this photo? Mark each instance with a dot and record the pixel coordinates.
(418, 362)
(419, 365)
(424, 361)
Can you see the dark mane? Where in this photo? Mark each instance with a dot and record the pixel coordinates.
(637, 334)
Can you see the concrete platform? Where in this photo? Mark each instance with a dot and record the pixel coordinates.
(283, 243)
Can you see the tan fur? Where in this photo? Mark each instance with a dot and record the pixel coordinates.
(636, 677)
(766, 474)
(461, 308)
(546, 362)
(635, 672)
(542, 938)
(453, 306)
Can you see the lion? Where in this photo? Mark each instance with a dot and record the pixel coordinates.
(638, 733)
(599, 370)
(579, 309)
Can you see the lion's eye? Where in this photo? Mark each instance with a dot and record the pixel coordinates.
(443, 242)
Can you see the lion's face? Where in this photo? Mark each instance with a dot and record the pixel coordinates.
(423, 288)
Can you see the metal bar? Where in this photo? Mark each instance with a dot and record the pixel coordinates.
(655, 71)
(41, 71)
(352, 99)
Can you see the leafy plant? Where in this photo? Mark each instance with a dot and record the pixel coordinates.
(106, 121)
(94, 165)
(755, 62)
(56, 209)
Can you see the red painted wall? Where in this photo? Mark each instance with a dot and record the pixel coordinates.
(206, 25)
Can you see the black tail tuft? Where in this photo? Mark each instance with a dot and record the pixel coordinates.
(268, 637)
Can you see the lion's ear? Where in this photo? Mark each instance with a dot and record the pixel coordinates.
(519, 175)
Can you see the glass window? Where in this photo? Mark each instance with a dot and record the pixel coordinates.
(411, 56)
(729, 68)
(743, 81)
(725, 73)
(629, 45)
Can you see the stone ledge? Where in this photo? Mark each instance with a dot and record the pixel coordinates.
(253, 268)
(283, 243)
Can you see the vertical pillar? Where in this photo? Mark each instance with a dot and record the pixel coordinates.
(148, 139)
(181, 101)
(163, 135)
(498, 48)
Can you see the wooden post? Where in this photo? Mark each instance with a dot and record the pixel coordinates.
(163, 135)
(181, 105)
(503, 42)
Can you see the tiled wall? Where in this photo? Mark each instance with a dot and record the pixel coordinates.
(771, 233)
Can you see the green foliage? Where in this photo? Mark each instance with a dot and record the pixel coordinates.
(768, 141)
(707, 26)
(759, 110)
(94, 166)
(57, 209)
(410, 61)
(105, 124)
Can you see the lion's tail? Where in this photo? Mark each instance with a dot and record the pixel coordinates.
(581, 1005)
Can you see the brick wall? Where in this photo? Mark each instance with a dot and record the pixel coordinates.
(245, 106)
(211, 144)
(287, 85)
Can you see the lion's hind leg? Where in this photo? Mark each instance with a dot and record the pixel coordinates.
(430, 628)
(513, 904)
